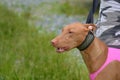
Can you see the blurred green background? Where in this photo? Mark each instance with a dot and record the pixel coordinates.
(26, 29)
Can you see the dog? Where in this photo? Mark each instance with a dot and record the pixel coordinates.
(95, 53)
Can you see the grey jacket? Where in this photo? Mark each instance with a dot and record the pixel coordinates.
(108, 24)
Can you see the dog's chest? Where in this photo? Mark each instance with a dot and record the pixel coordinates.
(113, 54)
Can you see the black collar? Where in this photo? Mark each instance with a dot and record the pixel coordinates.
(88, 40)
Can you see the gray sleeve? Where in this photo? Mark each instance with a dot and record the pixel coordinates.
(108, 25)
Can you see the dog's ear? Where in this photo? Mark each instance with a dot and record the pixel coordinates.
(91, 27)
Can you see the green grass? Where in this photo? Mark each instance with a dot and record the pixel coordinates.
(26, 54)
(67, 7)
(76, 7)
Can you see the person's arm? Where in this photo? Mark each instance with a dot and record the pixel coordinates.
(109, 22)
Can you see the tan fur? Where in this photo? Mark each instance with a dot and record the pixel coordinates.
(94, 56)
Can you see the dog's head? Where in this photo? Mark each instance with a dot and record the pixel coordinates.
(72, 36)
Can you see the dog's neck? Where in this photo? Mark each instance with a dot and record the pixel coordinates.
(95, 55)
(86, 43)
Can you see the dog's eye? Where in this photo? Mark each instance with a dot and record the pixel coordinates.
(70, 32)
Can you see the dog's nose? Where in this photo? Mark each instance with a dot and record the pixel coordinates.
(53, 42)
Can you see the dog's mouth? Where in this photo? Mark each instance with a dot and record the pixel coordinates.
(62, 49)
